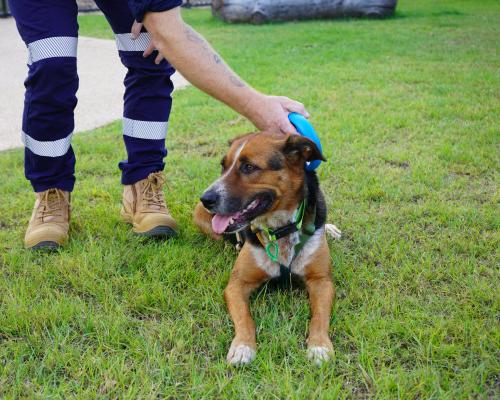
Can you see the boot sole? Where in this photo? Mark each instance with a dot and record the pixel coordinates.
(158, 232)
(47, 245)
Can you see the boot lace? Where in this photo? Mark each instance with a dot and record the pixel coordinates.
(153, 191)
(51, 204)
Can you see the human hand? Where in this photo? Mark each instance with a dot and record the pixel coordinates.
(271, 112)
(135, 32)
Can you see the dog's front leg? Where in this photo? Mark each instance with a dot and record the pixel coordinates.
(245, 278)
(242, 350)
(321, 294)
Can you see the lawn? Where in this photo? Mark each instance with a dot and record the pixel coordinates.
(408, 111)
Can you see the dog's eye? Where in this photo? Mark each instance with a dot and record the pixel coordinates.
(247, 168)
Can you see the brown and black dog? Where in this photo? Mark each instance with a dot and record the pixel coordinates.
(259, 194)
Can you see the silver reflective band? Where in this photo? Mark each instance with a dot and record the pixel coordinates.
(154, 130)
(53, 148)
(57, 46)
(124, 42)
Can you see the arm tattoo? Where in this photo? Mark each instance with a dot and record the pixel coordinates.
(194, 37)
(235, 81)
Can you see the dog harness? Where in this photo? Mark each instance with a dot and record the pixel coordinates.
(268, 238)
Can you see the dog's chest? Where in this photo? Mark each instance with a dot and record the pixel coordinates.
(286, 248)
(287, 256)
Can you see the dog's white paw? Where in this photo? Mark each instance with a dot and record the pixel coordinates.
(333, 231)
(240, 354)
(319, 354)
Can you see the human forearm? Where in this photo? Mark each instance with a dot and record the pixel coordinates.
(190, 53)
(193, 56)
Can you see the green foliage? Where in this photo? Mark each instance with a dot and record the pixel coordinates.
(408, 113)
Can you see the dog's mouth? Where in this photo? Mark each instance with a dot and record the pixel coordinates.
(235, 222)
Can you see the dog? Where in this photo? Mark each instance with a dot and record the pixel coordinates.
(277, 212)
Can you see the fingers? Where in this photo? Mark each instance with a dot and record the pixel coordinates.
(159, 58)
(136, 30)
(151, 47)
(289, 106)
(271, 113)
(286, 127)
(294, 106)
(149, 50)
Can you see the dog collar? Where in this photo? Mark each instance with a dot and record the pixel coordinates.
(305, 128)
(268, 238)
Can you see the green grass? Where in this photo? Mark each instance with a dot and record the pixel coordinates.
(408, 110)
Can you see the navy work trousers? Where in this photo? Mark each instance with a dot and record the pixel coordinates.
(50, 31)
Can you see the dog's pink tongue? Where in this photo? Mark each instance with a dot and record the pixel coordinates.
(220, 223)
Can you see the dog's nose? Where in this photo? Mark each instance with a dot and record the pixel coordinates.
(209, 199)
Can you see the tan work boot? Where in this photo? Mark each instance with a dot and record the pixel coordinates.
(49, 223)
(145, 208)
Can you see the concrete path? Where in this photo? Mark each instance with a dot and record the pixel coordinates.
(100, 97)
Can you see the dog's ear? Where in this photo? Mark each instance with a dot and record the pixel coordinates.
(298, 148)
(241, 137)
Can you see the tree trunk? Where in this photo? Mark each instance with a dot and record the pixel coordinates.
(284, 10)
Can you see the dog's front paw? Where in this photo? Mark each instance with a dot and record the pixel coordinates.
(319, 349)
(240, 354)
(319, 354)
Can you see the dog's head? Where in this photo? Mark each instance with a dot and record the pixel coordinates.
(261, 173)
